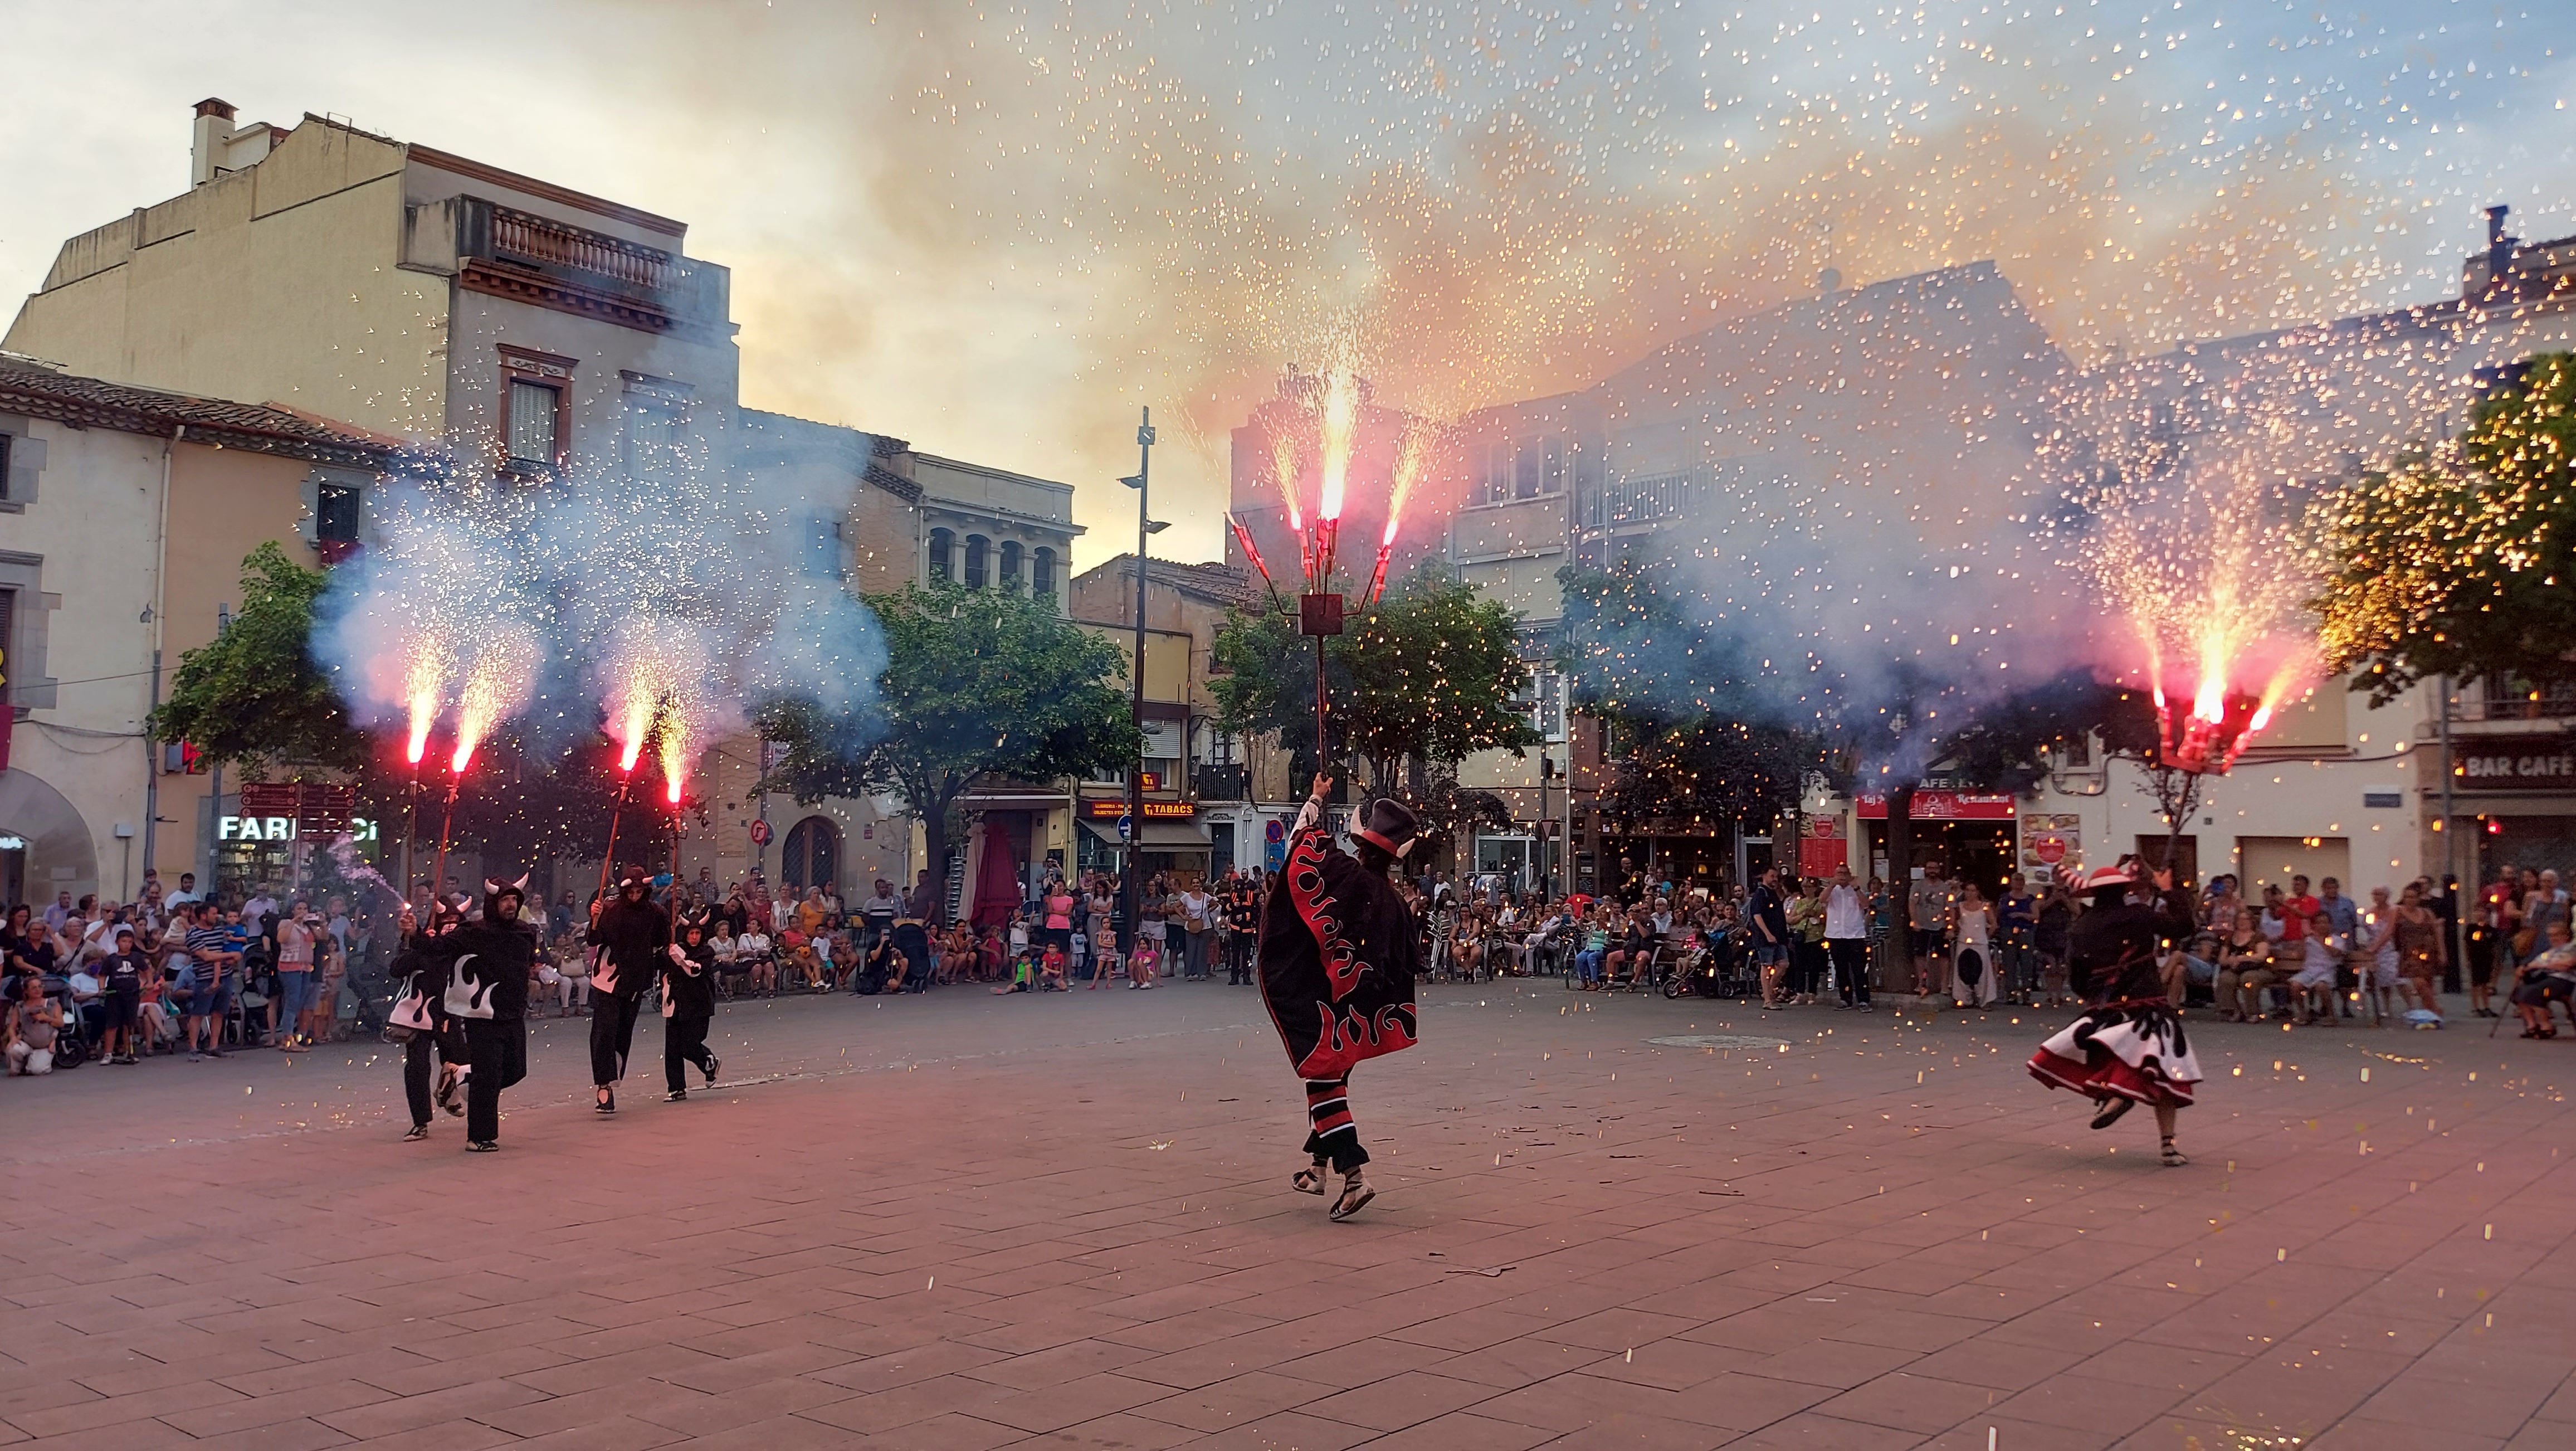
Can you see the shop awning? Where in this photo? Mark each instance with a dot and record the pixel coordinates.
(1159, 835)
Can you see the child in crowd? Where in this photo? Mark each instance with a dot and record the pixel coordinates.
(1051, 969)
(1145, 962)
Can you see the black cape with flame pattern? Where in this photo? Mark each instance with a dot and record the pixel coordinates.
(1339, 950)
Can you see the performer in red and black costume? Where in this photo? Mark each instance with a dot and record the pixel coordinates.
(1339, 951)
(2128, 1048)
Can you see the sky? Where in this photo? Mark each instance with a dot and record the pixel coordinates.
(998, 230)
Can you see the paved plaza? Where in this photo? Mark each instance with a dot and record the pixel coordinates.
(960, 1221)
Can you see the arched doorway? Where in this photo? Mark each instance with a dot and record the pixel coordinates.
(48, 847)
(813, 855)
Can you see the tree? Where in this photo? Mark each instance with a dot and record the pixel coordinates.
(1698, 730)
(253, 697)
(1426, 677)
(2458, 561)
(1690, 733)
(979, 685)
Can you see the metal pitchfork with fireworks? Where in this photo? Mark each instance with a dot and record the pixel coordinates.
(1320, 608)
(494, 685)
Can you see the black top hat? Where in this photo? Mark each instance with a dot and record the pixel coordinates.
(1387, 824)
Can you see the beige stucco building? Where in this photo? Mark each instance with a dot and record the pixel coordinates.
(124, 519)
(526, 329)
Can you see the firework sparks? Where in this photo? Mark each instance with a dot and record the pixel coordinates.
(1341, 422)
(504, 670)
(424, 683)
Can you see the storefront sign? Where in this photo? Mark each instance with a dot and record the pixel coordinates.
(2547, 765)
(281, 828)
(1946, 806)
(1112, 809)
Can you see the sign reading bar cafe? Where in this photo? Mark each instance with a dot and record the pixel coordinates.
(2547, 764)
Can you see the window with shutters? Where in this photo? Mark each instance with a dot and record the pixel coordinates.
(536, 421)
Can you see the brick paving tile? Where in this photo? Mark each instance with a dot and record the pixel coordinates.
(1288, 1431)
(92, 1415)
(1464, 1431)
(1811, 1431)
(298, 1435)
(1624, 1431)
(1833, 1246)
(1401, 1400)
(2363, 1434)
(607, 1433)
(1234, 1402)
(1052, 1408)
(1907, 1402)
(2038, 1436)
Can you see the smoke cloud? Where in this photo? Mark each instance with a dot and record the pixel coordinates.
(664, 605)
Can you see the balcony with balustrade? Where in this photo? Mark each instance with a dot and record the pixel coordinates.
(510, 253)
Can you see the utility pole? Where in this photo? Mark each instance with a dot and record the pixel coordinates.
(1129, 886)
(215, 787)
(2451, 855)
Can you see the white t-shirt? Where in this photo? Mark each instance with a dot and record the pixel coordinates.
(1844, 915)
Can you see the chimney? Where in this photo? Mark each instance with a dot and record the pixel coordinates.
(2499, 251)
(205, 148)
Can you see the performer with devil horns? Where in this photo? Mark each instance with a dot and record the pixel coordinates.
(487, 964)
(419, 1021)
(1339, 952)
(629, 936)
(2128, 1048)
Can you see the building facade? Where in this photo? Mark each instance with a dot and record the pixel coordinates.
(124, 517)
(1212, 797)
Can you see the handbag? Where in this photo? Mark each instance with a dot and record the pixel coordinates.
(2524, 941)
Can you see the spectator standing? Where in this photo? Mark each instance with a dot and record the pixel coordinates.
(1847, 941)
(124, 971)
(2423, 949)
(2016, 932)
(1972, 976)
(1242, 929)
(2342, 916)
(1768, 912)
(1806, 912)
(294, 999)
(210, 982)
(1198, 930)
(1929, 902)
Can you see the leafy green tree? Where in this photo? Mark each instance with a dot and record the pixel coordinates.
(2460, 561)
(979, 685)
(252, 697)
(1426, 678)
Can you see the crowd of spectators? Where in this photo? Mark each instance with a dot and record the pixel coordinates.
(174, 973)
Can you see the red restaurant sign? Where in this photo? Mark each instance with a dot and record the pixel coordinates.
(1946, 806)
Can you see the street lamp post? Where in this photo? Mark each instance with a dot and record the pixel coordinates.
(1133, 847)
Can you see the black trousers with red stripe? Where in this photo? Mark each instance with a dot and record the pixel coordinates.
(1334, 1136)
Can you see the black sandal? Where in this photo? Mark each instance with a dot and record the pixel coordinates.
(418, 1131)
(607, 1103)
(483, 1146)
(1355, 1197)
(1310, 1180)
(2173, 1157)
(2112, 1111)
